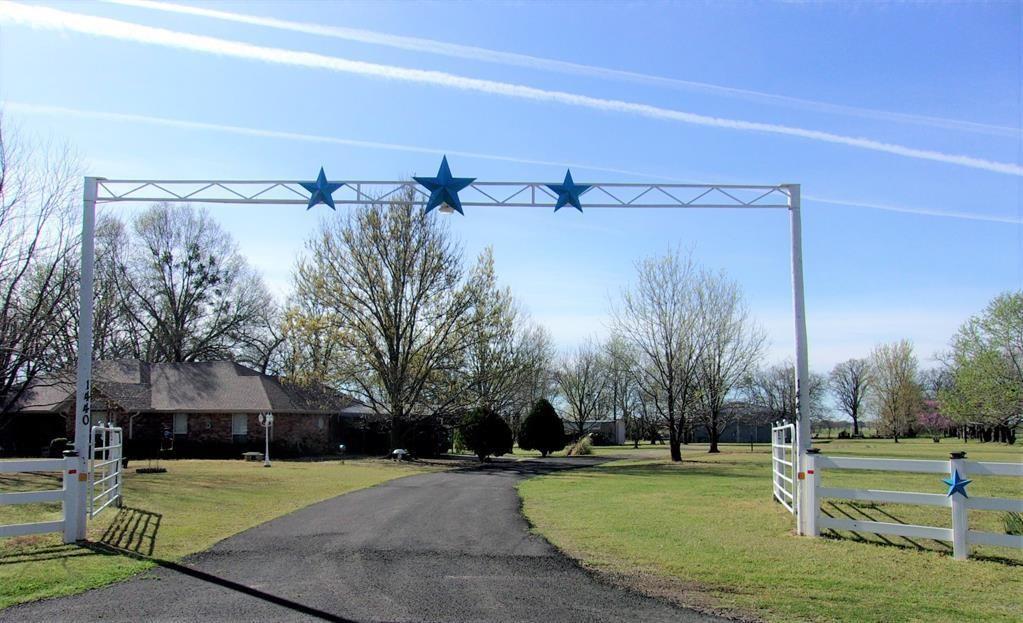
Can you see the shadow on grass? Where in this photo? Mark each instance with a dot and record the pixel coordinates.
(685, 468)
(529, 467)
(222, 582)
(41, 554)
(872, 512)
(19, 480)
(133, 529)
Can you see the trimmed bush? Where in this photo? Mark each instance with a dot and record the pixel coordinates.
(542, 430)
(582, 447)
(485, 433)
(57, 448)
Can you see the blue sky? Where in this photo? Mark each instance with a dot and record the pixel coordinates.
(940, 82)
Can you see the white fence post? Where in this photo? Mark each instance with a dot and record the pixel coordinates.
(68, 500)
(119, 455)
(812, 507)
(960, 521)
(74, 511)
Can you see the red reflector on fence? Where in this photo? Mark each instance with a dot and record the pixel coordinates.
(72, 471)
(809, 471)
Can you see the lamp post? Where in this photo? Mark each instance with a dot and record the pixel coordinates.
(266, 420)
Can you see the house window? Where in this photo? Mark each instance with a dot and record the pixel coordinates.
(180, 424)
(240, 427)
(320, 422)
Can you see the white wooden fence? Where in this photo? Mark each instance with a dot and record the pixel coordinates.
(783, 465)
(104, 477)
(959, 534)
(35, 466)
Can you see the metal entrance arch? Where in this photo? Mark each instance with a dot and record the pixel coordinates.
(474, 194)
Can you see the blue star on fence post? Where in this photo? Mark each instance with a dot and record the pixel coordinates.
(444, 188)
(321, 190)
(956, 484)
(568, 192)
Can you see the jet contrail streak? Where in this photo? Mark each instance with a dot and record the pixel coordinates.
(456, 50)
(43, 17)
(314, 138)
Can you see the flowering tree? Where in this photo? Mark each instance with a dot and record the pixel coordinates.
(931, 419)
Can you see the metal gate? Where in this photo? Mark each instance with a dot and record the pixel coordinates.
(783, 465)
(105, 470)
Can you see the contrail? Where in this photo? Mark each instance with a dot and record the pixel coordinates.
(54, 19)
(61, 111)
(474, 53)
(970, 216)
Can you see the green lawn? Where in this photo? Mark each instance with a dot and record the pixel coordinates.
(166, 516)
(707, 532)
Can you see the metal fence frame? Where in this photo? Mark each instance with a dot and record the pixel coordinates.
(784, 459)
(105, 468)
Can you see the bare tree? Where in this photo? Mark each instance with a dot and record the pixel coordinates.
(623, 395)
(896, 391)
(113, 334)
(38, 245)
(262, 345)
(188, 293)
(850, 385)
(583, 384)
(393, 279)
(734, 344)
(662, 316)
(773, 391)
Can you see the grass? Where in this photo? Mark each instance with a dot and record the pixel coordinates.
(166, 516)
(707, 533)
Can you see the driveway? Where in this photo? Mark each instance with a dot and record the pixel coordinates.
(446, 546)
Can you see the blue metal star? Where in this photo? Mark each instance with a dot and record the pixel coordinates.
(956, 484)
(568, 192)
(321, 190)
(444, 188)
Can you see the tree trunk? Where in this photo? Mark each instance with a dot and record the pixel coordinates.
(713, 433)
(397, 434)
(856, 425)
(674, 445)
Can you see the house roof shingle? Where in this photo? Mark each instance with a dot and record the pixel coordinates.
(194, 387)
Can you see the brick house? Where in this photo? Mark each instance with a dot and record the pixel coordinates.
(197, 409)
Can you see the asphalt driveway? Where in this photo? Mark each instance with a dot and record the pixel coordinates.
(448, 546)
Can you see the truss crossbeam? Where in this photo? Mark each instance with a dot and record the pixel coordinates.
(478, 194)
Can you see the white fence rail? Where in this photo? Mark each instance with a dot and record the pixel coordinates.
(957, 468)
(105, 468)
(783, 465)
(36, 466)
